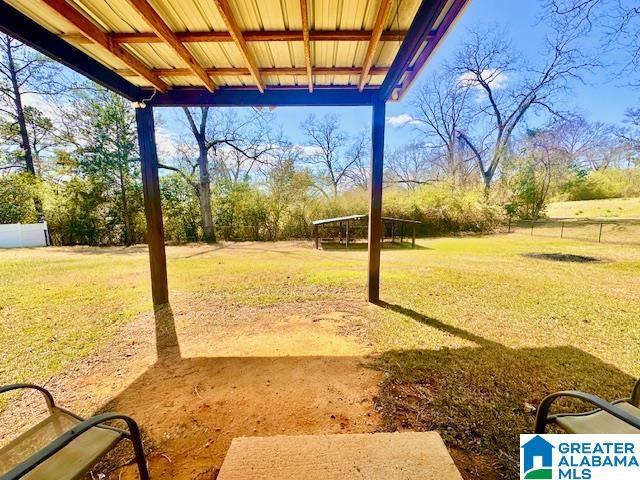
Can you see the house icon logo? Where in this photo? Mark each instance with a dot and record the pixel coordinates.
(537, 459)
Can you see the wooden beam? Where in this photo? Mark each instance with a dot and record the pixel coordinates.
(375, 199)
(163, 31)
(232, 72)
(152, 205)
(250, 36)
(378, 27)
(307, 44)
(22, 28)
(97, 35)
(227, 16)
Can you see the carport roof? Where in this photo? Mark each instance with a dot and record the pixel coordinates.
(235, 52)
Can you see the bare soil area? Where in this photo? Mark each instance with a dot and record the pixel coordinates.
(208, 381)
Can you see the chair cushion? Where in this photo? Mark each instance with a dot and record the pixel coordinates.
(599, 422)
(70, 463)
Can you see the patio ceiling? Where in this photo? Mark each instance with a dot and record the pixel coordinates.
(213, 46)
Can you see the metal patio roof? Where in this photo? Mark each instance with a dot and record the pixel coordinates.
(209, 46)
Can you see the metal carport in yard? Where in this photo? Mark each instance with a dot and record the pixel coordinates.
(233, 53)
(351, 219)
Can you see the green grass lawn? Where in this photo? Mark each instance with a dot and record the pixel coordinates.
(607, 208)
(471, 330)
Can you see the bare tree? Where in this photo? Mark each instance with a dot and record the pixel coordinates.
(585, 144)
(508, 90)
(330, 151)
(23, 72)
(630, 136)
(617, 22)
(217, 133)
(411, 165)
(360, 151)
(440, 111)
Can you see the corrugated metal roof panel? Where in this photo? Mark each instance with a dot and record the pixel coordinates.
(118, 16)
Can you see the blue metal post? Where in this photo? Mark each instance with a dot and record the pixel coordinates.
(375, 198)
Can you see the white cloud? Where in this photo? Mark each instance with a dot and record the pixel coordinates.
(401, 120)
(44, 104)
(497, 80)
(165, 143)
(309, 150)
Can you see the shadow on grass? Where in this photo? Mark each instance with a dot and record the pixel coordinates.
(480, 398)
(477, 397)
(103, 250)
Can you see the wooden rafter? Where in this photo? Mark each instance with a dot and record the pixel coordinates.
(99, 36)
(250, 36)
(232, 72)
(234, 30)
(304, 11)
(381, 21)
(163, 31)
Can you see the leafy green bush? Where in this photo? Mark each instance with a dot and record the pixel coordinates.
(17, 192)
(600, 184)
(240, 211)
(181, 209)
(445, 208)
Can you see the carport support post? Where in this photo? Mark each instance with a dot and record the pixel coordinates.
(375, 198)
(152, 207)
(346, 245)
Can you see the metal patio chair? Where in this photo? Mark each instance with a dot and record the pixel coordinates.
(620, 416)
(65, 446)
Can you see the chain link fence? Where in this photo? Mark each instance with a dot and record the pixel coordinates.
(623, 231)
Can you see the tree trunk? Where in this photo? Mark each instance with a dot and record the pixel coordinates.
(128, 234)
(204, 196)
(24, 133)
(487, 177)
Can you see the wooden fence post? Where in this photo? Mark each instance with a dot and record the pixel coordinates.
(562, 230)
(315, 236)
(413, 237)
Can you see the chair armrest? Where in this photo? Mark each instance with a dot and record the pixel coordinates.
(67, 437)
(18, 386)
(542, 418)
(635, 395)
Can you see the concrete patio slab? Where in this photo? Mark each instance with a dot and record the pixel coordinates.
(373, 456)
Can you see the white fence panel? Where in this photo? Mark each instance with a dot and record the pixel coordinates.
(15, 235)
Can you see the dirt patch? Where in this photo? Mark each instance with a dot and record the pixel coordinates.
(218, 374)
(562, 257)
